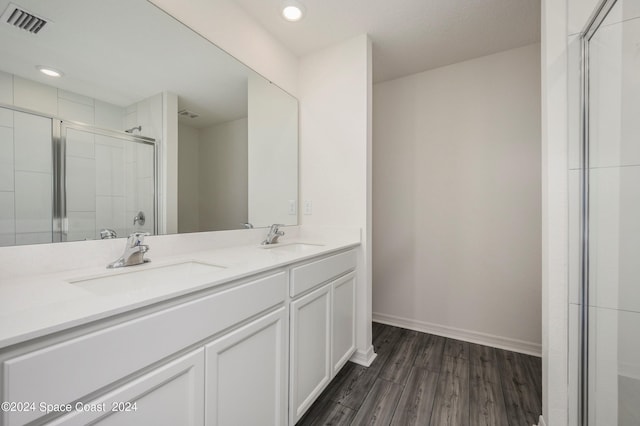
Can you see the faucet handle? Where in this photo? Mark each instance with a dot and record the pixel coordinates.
(137, 238)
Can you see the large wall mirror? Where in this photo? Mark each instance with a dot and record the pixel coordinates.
(150, 127)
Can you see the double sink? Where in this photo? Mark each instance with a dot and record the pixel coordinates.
(122, 280)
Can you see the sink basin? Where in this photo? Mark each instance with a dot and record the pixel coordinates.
(293, 247)
(129, 281)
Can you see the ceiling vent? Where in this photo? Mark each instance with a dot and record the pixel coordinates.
(18, 17)
(188, 114)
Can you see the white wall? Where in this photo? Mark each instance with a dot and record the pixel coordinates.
(272, 154)
(335, 119)
(554, 213)
(188, 179)
(457, 200)
(225, 24)
(223, 175)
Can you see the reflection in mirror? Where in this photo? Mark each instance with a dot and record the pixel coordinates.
(147, 116)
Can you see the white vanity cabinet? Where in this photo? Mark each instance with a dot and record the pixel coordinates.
(246, 376)
(172, 394)
(253, 350)
(322, 325)
(77, 368)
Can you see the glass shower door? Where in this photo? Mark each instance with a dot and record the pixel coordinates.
(109, 182)
(611, 250)
(26, 178)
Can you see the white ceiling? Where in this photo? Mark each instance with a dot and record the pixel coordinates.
(124, 51)
(408, 36)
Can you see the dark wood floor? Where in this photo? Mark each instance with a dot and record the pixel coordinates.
(422, 379)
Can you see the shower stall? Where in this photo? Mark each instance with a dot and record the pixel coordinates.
(609, 295)
(66, 181)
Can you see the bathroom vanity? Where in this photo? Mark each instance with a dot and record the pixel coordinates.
(242, 335)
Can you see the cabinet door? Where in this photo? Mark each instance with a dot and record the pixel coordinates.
(344, 320)
(172, 394)
(246, 374)
(310, 349)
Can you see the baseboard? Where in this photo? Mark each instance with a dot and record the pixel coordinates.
(364, 358)
(541, 422)
(500, 342)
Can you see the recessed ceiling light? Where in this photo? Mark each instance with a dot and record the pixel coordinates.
(51, 72)
(292, 11)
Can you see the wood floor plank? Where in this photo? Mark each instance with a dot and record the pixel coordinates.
(435, 380)
(451, 404)
(456, 348)
(397, 368)
(380, 404)
(456, 366)
(486, 404)
(430, 352)
(535, 370)
(416, 402)
(486, 401)
(483, 364)
(482, 353)
(352, 387)
(521, 400)
(327, 412)
(384, 344)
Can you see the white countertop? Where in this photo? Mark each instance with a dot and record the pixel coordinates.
(34, 306)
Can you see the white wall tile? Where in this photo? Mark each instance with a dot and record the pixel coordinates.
(35, 96)
(629, 395)
(579, 13)
(110, 213)
(7, 218)
(32, 143)
(6, 117)
(131, 120)
(605, 78)
(6, 159)
(33, 202)
(6, 88)
(82, 226)
(144, 160)
(603, 366)
(74, 111)
(33, 238)
(81, 184)
(614, 92)
(630, 125)
(7, 240)
(109, 116)
(76, 98)
(80, 144)
(110, 141)
(103, 170)
(574, 363)
(110, 171)
(615, 356)
(614, 243)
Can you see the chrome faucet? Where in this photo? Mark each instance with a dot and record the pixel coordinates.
(107, 234)
(133, 252)
(274, 233)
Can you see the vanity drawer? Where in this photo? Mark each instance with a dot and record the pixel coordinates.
(67, 371)
(308, 276)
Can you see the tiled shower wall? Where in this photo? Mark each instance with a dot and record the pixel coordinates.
(95, 164)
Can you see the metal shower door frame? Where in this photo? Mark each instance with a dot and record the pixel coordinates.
(59, 140)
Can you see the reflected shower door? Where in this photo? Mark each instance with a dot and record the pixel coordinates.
(611, 278)
(109, 180)
(26, 178)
